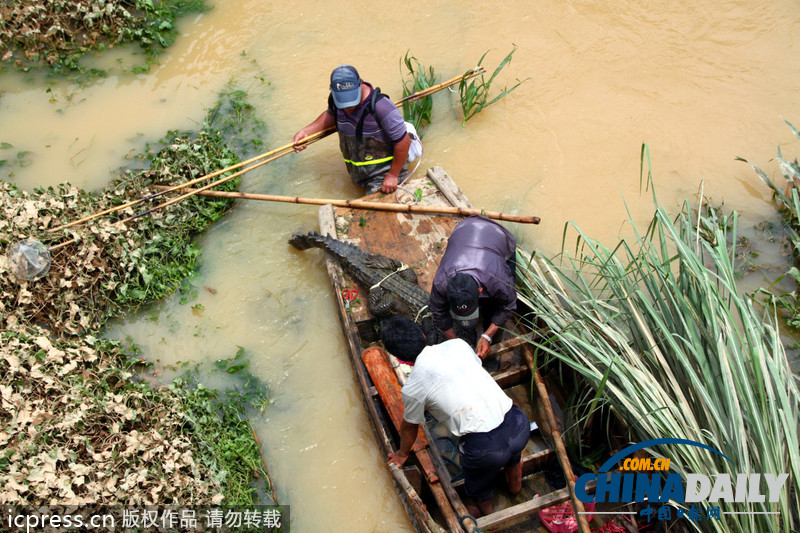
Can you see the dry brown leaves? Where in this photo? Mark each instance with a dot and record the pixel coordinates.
(75, 431)
(73, 427)
(73, 297)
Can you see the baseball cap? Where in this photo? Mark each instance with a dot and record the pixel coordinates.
(462, 293)
(345, 86)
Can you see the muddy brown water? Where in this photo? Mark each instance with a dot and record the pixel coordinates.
(701, 83)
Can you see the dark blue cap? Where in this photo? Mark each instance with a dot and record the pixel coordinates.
(345, 86)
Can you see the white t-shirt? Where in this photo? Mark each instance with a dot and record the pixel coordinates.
(449, 382)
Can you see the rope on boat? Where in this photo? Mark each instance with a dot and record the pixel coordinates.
(450, 458)
(390, 274)
(401, 188)
(420, 315)
(462, 518)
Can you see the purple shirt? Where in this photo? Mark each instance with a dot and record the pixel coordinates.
(479, 247)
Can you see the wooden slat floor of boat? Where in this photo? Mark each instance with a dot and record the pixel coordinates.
(523, 516)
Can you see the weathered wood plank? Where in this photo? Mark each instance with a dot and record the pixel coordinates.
(531, 462)
(514, 376)
(510, 344)
(448, 187)
(532, 506)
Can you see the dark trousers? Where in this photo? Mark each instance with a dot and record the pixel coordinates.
(483, 454)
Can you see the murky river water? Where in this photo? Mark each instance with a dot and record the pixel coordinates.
(700, 82)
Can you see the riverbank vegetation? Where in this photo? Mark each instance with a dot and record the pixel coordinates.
(662, 337)
(57, 34)
(80, 422)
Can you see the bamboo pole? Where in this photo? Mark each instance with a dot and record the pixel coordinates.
(166, 189)
(288, 148)
(268, 156)
(555, 433)
(363, 204)
(255, 162)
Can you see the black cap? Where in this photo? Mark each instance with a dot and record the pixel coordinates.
(462, 294)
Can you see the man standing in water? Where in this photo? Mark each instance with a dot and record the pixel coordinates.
(449, 382)
(372, 133)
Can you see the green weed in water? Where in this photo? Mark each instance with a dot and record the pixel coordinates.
(220, 422)
(167, 256)
(418, 111)
(12, 159)
(237, 122)
(788, 201)
(474, 92)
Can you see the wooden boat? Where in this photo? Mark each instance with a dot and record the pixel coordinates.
(428, 484)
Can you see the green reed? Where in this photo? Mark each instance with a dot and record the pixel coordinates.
(657, 327)
(418, 111)
(474, 92)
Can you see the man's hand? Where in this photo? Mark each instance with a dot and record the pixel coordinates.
(298, 137)
(408, 434)
(389, 183)
(483, 347)
(483, 343)
(397, 458)
(324, 121)
(399, 157)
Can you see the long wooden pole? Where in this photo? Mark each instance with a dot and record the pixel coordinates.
(288, 148)
(555, 433)
(255, 162)
(267, 156)
(363, 204)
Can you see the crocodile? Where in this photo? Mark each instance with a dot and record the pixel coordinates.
(393, 287)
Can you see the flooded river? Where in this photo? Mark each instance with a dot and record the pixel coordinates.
(701, 83)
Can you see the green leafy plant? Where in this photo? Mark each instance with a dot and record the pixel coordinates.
(20, 159)
(56, 34)
(418, 111)
(237, 122)
(474, 92)
(788, 201)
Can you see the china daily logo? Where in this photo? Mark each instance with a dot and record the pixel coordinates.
(631, 485)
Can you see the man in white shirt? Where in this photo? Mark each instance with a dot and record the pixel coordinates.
(449, 382)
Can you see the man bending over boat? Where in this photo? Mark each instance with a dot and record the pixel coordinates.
(449, 382)
(372, 133)
(475, 277)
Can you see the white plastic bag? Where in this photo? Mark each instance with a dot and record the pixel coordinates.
(415, 150)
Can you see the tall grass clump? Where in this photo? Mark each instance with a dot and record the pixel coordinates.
(657, 327)
(787, 199)
(417, 112)
(474, 92)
